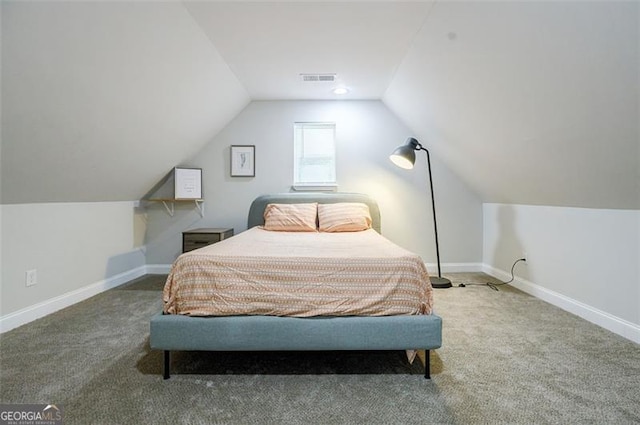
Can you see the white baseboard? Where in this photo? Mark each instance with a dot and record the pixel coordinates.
(31, 313)
(158, 268)
(603, 319)
(432, 268)
(612, 323)
(36, 311)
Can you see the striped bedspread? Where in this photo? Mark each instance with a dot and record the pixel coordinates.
(299, 274)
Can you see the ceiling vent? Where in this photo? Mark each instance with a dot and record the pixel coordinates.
(329, 78)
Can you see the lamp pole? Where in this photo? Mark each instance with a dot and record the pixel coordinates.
(440, 282)
(404, 157)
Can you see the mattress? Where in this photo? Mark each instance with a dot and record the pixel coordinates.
(299, 274)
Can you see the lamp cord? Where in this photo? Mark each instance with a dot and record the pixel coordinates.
(492, 285)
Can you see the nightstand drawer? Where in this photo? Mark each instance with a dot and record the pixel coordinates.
(190, 246)
(198, 238)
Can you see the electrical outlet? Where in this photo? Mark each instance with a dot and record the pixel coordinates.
(31, 277)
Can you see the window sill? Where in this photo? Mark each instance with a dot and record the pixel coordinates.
(315, 187)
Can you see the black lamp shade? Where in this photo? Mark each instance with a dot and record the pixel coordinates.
(405, 156)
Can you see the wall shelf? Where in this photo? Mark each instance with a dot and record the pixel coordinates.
(169, 204)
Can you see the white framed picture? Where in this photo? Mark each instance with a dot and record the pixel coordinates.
(188, 183)
(243, 161)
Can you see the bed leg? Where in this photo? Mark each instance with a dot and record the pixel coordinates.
(427, 364)
(166, 371)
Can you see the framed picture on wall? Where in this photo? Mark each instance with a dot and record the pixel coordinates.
(188, 183)
(243, 161)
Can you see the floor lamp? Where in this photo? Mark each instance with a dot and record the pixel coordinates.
(404, 157)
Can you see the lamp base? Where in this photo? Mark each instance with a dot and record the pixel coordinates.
(440, 282)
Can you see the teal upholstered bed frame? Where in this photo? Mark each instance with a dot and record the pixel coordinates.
(269, 333)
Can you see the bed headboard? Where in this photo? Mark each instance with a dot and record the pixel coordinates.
(256, 211)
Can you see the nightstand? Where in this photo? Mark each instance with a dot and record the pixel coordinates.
(197, 238)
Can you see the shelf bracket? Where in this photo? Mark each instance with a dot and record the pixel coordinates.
(170, 205)
(200, 206)
(171, 210)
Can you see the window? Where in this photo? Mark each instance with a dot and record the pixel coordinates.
(314, 150)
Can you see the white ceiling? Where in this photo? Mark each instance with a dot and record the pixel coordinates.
(268, 45)
(101, 99)
(528, 102)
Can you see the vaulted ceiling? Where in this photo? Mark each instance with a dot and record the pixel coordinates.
(268, 45)
(529, 102)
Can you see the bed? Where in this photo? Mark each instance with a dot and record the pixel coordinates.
(266, 290)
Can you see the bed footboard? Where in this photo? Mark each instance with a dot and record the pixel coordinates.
(270, 333)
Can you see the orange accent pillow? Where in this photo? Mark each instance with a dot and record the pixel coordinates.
(291, 217)
(344, 217)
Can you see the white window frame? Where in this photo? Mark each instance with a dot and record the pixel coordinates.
(297, 155)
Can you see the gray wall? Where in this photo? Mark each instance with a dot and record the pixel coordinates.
(71, 245)
(367, 132)
(1, 286)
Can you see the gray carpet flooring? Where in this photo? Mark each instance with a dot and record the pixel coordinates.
(507, 358)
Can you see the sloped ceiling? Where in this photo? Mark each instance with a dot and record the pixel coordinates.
(101, 99)
(529, 102)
